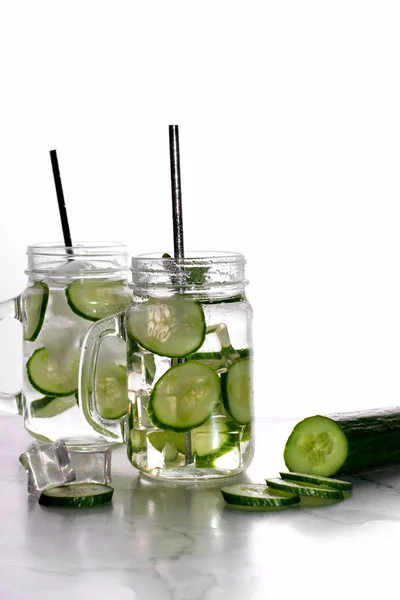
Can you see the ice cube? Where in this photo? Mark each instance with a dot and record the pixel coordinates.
(52, 465)
(221, 360)
(47, 465)
(74, 267)
(112, 350)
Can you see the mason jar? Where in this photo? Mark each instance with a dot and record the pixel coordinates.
(189, 368)
(68, 290)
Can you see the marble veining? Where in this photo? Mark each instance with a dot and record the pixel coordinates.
(182, 542)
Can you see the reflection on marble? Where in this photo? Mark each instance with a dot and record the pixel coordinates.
(182, 542)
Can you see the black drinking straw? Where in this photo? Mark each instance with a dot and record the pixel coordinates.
(177, 222)
(176, 190)
(61, 201)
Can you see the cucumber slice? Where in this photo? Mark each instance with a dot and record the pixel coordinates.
(77, 495)
(306, 489)
(35, 300)
(215, 438)
(51, 407)
(158, 439)
(258, 495)
(184, 397)
(94, 300)
(317, 446)
(48, 377)
(112, 391)
(337, 484)
(173, 327)
(236, 386)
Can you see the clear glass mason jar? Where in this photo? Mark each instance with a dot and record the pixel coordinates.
(68, 289)
(189, 368)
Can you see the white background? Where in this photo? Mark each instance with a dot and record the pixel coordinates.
(289, 116)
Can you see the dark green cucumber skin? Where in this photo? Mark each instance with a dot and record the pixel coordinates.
(345, 486)
(78, 502)
(373, 438)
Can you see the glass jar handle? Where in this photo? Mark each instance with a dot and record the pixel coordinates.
(112, 429)
(11, 403)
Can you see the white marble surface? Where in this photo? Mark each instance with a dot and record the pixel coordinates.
(183, 543)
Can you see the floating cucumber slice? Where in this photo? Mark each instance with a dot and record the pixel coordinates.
(51, 378)
(51, 407)
(258, 495)
(184, 397)
(172, 327)
(213, 439)
(77, 495)
(158, 439)
(112, 391)
(317, 446)
(306, 489)
(337, 484)
(94, 300)
(35, 300)
(236, 386)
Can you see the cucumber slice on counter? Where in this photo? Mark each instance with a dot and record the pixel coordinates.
(184, 397)
(173, 327)
(35, 301)
(77, 495)
(51, 407)
(337, 484)
(317, 445)
(112, 391)
(48, 377)
(258, 495)
(305, 489)
(94, 300)
(236, 386)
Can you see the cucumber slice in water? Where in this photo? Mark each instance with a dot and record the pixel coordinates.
(35, 300)
(51, 407)
(258, 495)
(236, 385)
(77, 495)
(173, 327)
(305, 489)
(184, 397)
(158, 439)
(112, 391)
(94, 300)
(316, 446)
(337, 484)
(51, 378)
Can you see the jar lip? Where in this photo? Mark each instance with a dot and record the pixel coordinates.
(78, 249)
(191, 256)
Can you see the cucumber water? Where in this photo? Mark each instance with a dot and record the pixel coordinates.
(54, 332)
(190, 415)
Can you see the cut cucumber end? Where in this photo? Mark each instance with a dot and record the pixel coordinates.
(258, 495)
(173, 327)
(316, 446)
(337, 484)
(77, 495)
